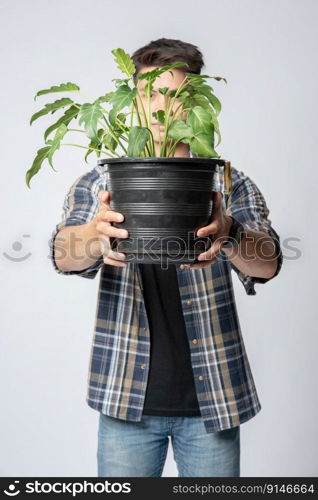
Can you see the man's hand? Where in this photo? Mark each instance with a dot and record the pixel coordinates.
(219, 229)
(105, 231)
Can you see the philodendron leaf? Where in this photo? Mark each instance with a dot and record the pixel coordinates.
(124, 62)
(202, 145)
(112, 116)
(51, 108)
(89, 115)
(120, 81)
(106, 97)
(137, 140)
(194, 78)
(199, 120)
(206, 91)
(123, 97)
(122, 118)
(163, 90)
(159, 115)
(63, 87)
(96, 145)
(151, 75)
(215, 124)
(37, 163)
(56, 142)
(68, 116)
(197, 100)
(109, 142)
(178, 130)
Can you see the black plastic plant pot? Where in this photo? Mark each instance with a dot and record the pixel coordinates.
(164, 202)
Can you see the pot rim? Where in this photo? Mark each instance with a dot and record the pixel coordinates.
(163, 159)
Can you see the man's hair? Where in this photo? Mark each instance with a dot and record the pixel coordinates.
(168, 51)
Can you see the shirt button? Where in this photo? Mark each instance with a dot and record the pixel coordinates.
(201, 377)
(144, 328)
(142, 367)
(189, 302)
(194, 341)
(182, 266)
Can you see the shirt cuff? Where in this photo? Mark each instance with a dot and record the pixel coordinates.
(250, 281)
(90, 272)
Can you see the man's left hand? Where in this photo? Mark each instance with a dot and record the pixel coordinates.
(219, 229)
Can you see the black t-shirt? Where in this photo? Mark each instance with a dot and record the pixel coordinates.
(170, 389)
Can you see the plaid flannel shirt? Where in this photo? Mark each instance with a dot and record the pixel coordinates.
(120, 351)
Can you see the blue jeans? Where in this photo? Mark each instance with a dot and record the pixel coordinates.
(139, 449)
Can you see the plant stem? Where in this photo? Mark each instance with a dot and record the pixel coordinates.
(170, 106)
(174, 116)
(113, 136)
(84, 147)
(147, 125)
(139, 120)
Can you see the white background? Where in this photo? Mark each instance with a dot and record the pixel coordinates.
(267, 50)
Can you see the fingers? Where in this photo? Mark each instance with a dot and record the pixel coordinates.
(110, 216)
(212, 228)
(199, 265)
(217, 198)
(105, 214)
(104, 196)
(212, 252)
(112, 232)
(110, 256)
(115, 259)
(105, 230)
(216, 225)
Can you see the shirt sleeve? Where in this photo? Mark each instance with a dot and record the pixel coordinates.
(247, 205)
(80, 206)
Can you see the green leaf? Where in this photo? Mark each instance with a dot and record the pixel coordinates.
(206, 91)
(109, 142)
(120, 81)
(137, 140)
(123, 97)
(153, 74)
(197, 100)
(199, 120)
(89, 115)
(159, 115)
(178, 130)
(124, 62)
(51, 108)
(56, 142)
(68, 116)
(105, 98)
(37, 163)
(163, 90)
(215, 124)
(95, 144)
(63, 87)
(201, 144)
(197, 79)
(122, 117)
(112, 116)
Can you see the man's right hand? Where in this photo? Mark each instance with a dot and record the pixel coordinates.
(104, 229)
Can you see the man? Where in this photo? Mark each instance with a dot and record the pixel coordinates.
(168, 357)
